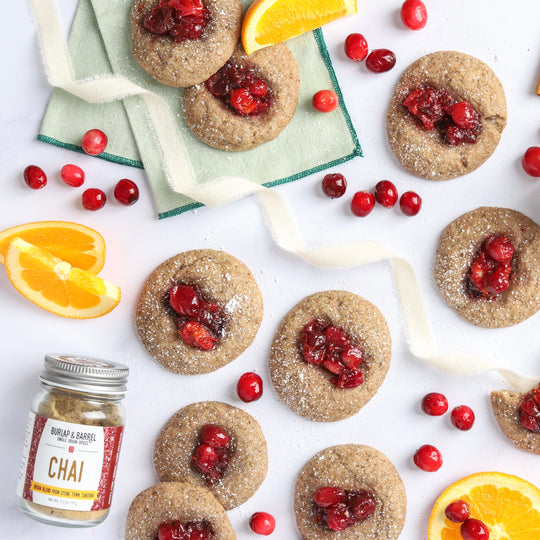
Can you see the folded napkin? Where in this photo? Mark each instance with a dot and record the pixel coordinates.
(100, 44)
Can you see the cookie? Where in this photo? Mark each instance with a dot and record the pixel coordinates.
(424, 152)
(218, 125)
(190, 61)
(505, 405)
(352, 467)
(308, 389)
(248, 460)
(458, 245)
(175, 501)
(223, 280)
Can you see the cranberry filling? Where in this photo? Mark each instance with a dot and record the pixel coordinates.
(200, 323)
(529, 410)
(456, 121)
(211, 455)
(331, 348)
(340, 508)
(491, 268)
(241, 89)
(193, 530)
(181, 20)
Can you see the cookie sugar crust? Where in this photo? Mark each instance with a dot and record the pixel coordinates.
(458, 244)
(306, 389)
(171, 501)
(422, 152)
(352, 466)
(221, 278)
(248, 458)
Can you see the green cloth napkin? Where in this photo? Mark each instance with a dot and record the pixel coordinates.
(100, 43)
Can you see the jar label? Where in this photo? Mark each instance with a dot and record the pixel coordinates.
(69, 466)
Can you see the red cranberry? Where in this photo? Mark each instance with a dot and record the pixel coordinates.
(499, 248)
(457, 511)
(214, 436)
(325, 101)
(414, 14)
(249, 387)
(531, 161)
(386, 193)
(380, 60)
(193, 530)
(464, 115)
(211, 461)
(410, 203)
(195, 334)
(34, 177)
(94, 142)
(462, 417)
(262, 523)
(126, 192)
(339, 517)
(434, 404)
(334, 185)
(474, 529)
(529, 410)
(362, 203)
(428, 458)
(362, 504)
(356, 47)
(93, 199)
(329, 496)
(171, 531)
(72, 175)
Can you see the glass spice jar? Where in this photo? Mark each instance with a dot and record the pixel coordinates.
(73, 439)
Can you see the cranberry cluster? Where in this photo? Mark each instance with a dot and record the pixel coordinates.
(241, 89)
(471, 528)
(200, 323)
(491, 268)
(211, 455)
(329, 346)
(339, 508)
(529, 410)
(456, 121)
(181, 20)
(193, 530)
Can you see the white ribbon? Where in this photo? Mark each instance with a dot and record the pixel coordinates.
(280, 221)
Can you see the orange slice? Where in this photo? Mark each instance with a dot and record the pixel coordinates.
(507, 504)
(76, 244)
(268, 22)
(54, 285)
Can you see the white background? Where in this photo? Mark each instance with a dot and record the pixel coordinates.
(502, 34)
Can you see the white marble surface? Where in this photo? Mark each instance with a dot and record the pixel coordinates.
(506, 38)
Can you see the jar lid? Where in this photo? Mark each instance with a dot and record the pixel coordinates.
(85, 374)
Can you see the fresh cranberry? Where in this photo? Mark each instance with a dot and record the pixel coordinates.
(262, 523)
(329, 496)
(195, 334)
(428, 458)
(34, 177)
(457, 511)
(211, 455)
(93, 199)
(362, 203)
(386, 193)
(249, 387)
(94, 142)
(325, 101)
(334, 185)
(529, 410)
(531, 161)
(356, 47)
(214, 436)
(462, 417)
(474, 529)
(434, 404)
(414, 14)
(380, 60)
(126, 192)
(410, 203)
(72, 175)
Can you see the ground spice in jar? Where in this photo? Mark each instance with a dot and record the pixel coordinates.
(73, 439)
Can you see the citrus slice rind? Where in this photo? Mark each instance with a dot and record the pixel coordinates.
(77, 244)
(507, 504)
(56, 286)
(268, 22)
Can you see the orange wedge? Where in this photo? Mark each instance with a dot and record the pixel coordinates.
(508, 505)
(54, 285)
(268, 22)
(76, 244)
